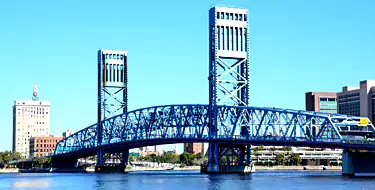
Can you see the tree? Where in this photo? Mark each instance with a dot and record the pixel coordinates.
(280, 159)
(287, 148)
(261, 148)
(16, 156)
(187, 158)
(6, 157)
(295, 159)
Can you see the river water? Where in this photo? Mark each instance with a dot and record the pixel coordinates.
(191, 180)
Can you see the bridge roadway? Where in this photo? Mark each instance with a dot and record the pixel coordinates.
(235, 125)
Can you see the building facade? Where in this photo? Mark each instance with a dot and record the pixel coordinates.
(31, 118)
(309, 156)
(43, 146)
(325, 102)
(147, 150)
(358, 101)
(196, 148)
(321, 102)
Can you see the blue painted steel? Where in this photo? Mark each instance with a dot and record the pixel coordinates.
(112, 90)
(229, 69)
(236, 125)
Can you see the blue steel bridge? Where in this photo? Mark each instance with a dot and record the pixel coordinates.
(236, 125)
(228, 123)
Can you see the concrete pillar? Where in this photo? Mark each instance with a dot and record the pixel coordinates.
(358, 163)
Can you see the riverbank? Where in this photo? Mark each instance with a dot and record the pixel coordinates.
(197, 168)
(298, 168)
(9, 170)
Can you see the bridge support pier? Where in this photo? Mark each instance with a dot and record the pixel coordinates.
(227, 158)
(107, 167)
(65, 164)
(355, 163)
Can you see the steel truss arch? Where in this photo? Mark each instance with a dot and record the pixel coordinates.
(235, 124)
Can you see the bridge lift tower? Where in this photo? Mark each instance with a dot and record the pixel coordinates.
(228, 80)
(112, 97)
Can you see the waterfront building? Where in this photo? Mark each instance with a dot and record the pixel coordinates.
(196, 148)
(321, 102)
(148, 150)
(193, 148)
(43, 146)
(309, 156)
(31, 118)
(358, 101)
(325, 102)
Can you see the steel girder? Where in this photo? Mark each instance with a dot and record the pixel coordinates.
(236, 125)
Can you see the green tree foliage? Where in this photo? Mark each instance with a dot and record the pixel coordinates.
(44, 162)
(187, 158)
(16, 156)
(7, 156)
(166, 157)
(280, 159)
(295, 159)
(287, 148)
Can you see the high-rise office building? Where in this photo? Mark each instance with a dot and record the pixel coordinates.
(31, 118)
(358, 101)
(321, 102)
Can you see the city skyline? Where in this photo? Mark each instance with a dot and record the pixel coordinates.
(66, 74)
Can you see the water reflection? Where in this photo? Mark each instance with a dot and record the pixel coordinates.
(110, 181)
(32, 184)
(186, 181)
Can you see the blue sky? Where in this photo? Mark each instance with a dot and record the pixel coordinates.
(296, 46)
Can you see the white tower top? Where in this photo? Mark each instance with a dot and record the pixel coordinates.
(35, 92)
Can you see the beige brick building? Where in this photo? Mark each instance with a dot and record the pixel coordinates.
(31, 118)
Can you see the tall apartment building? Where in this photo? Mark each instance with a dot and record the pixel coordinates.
(358, 101)
(43, 146)
(31, 118)
(321, 102)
